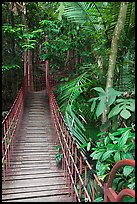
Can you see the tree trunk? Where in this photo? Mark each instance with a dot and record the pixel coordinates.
(113, 53)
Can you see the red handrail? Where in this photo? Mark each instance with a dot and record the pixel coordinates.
(74, 162)
(9, 125)
(109, 193)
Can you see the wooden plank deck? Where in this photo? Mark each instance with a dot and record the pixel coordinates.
(33, 175)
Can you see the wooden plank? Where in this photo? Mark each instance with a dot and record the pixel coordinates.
(34, 189)
(34, 176)
(35, 194)
(34, 171)
(33, 152)
(12, 169)
(23, 165)
(57, 198)
(31, 157)
(34, 182)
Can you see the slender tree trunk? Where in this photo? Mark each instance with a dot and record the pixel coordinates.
(113, 53)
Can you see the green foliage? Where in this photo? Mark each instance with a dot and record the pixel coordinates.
(115, 146)
(123, 107)
(86, 29)
(58, 155)
(9, 67)
(30, 45)
(103, 102)
(70, 91)
(67, 99)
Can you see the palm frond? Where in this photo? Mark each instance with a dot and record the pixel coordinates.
(130, 16)
(67, 100)
(69, 92)
(77, 11)
(111, 16)
(128, 75)
(75, 125)
(87, 14)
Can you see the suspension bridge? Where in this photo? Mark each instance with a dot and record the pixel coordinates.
(32, 129)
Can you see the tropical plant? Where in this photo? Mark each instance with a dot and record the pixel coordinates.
(117, 145)
(58, 156)
(67, 99)
(111, 95)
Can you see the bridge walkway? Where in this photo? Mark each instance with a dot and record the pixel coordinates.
(33, 175)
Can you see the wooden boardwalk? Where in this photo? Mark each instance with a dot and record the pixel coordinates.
(33, 175)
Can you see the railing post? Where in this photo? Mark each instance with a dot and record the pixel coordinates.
(25, 62)
(29, 71)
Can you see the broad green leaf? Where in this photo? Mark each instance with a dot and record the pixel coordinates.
(127, 155)
(101, 133)
(123, 139)
(107, 140)
(131, 107)
(127, 170)
(111, 100)
(120, 185)
(98, 155)
(120, 100)
(115, 111)
(125, 114)
(111, 137)
(88, 146)
(107, 154)
(132, 186)
(117, 156)
(99, 89)
(112, 93)
(101, 106)
(122, 130)
(114, 134)
(93, 105)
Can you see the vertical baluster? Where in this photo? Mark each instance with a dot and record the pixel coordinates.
(80, 190)
(72, 165)
(7, 123)
(66, 137)
(69, 163)
(63, 145)
(85, 181)
(75, 173)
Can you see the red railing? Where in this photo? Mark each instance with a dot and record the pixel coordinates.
(81, 179)
(9, 126)
(109, 194)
